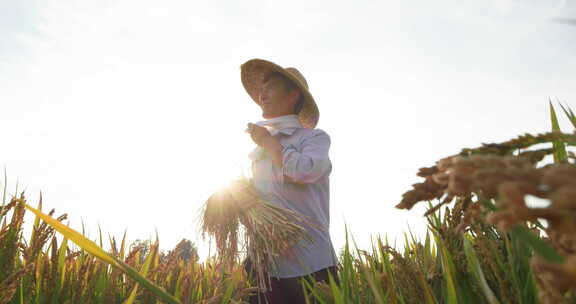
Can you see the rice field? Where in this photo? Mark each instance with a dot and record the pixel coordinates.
(484, 243)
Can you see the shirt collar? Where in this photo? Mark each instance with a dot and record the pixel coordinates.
(288, 131)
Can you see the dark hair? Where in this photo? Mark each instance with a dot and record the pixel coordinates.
(289, 86)
(300, 104)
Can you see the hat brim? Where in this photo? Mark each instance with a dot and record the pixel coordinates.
(253, 73)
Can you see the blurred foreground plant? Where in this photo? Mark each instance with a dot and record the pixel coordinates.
(490, 185)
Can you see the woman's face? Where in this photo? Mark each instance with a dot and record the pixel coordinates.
(275, 100)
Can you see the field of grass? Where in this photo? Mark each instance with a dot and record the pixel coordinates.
(484, 244)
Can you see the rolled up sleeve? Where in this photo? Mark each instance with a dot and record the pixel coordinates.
(310, 162)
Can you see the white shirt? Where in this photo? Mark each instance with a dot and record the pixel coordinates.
(301, 185)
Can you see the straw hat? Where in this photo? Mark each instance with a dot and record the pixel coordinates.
(253, 73)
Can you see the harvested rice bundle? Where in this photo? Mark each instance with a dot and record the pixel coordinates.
(268, 230)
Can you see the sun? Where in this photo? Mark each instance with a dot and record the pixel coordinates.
(221, 173)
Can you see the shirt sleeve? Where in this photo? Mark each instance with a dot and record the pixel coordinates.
(310, 162)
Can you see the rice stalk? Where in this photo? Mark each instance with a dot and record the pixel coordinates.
(239, 220)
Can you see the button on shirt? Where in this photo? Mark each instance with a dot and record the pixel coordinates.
(301, 185)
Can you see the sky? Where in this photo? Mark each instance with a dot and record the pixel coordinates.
(128, 114)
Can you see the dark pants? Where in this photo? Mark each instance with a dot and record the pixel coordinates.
(288, 290)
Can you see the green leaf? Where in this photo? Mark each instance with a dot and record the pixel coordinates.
(476, 270)
(123, 246)
(61, 260)
(3, 196)
(569, 114)
(229, 291)
(448, 272)
(143, 272)
(559, 147)
(538, 245)
(520, 253)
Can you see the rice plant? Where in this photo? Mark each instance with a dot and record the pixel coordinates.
(44, 270)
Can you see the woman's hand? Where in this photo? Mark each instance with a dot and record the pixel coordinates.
(259, 134)
(264, 139)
